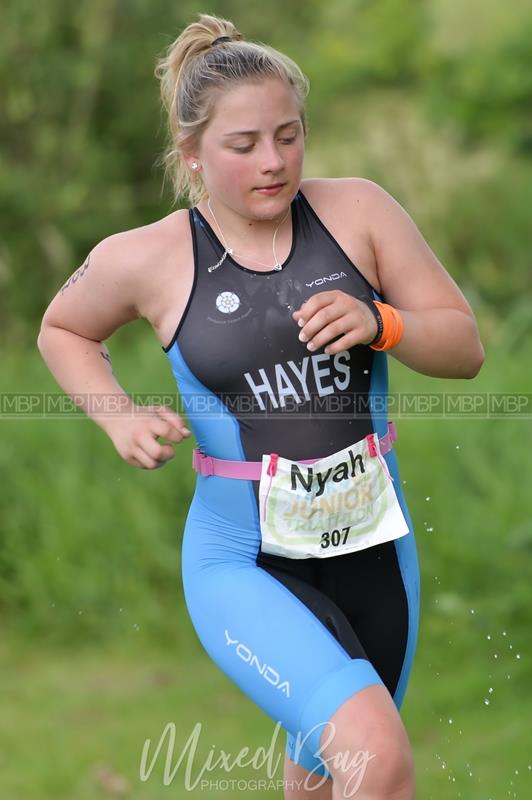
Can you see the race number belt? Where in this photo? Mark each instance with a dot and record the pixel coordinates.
(321, 507)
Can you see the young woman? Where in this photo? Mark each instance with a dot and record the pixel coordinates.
(276, 300)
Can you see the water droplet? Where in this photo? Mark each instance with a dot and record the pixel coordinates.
(427, 498)
(404, 481)
(488, 636)
(490, 690)
(458, 447)
(504, 633)
(486, 701)
(472, 610)
(366, 372)
(517, 655)
(450, 722)
(429, 530)
(495, 655)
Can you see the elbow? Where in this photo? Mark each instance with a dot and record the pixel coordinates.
(40, 339)
(475, 363)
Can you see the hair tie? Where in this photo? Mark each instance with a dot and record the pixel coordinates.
(221, 39)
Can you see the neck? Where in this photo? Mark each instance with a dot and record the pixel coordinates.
(244, 231)
(263, 241)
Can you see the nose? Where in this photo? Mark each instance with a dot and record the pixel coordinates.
(271, 158)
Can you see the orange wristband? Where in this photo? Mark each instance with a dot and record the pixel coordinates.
(392, 327)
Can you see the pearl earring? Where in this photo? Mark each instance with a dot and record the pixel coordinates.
(194, 165)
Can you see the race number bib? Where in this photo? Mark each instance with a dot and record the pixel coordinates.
(335, 505)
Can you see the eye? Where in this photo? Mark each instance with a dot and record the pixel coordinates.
(245, 149)
(288, 141)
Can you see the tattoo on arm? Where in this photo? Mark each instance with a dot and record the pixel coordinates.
(105, 355)
(77, 274)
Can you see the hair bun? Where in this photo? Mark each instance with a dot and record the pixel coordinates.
(221, 39)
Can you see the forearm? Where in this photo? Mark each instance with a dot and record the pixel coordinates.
(82, 368)
(440, 342)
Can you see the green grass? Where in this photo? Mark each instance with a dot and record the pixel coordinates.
(98, 654)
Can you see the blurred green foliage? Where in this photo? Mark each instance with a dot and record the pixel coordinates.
(432, 99)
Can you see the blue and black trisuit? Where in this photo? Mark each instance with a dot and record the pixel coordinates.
(298, 635)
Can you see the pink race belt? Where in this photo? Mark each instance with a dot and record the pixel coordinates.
(251, 470)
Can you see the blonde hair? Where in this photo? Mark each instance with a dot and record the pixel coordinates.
(192, 71)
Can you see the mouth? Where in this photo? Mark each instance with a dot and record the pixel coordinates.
(273, 187)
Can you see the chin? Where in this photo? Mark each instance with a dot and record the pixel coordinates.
(270, 207)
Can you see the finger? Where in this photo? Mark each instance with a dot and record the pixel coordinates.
(174, 419)
(159, 427)
(155, 450)
(133, 461)
(337, 328)
(145, 461)
(313, 304)
(345, 342)
(321, 319)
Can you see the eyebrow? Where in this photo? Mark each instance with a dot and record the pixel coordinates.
(250, 133)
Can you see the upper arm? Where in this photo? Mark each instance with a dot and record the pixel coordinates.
(410, 274)
(103, 293)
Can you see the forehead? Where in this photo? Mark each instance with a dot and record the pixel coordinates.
(254, 106)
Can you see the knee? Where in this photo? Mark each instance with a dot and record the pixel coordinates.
(393, 774)
(383, 767)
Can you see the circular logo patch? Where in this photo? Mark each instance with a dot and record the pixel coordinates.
(227, 302)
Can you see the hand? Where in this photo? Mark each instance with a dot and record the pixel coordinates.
(135, 435)
(327, 315)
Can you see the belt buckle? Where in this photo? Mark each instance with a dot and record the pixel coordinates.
(204, 464)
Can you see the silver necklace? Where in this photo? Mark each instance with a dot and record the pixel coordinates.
(229, 250)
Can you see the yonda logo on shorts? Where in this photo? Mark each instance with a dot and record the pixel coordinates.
(266, 670)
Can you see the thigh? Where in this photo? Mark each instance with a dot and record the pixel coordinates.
(369, 600)
(273, 645)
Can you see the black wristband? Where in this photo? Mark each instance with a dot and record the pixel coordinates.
(376, 313)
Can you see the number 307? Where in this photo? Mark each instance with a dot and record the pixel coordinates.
(335, 537)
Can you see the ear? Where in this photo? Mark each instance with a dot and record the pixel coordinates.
(193, 163)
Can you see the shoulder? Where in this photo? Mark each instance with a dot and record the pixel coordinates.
(336, 191)
(142, 258)
(123, 278)
(347, 199)
(363, 192)
(138, 247)
(381, 216)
